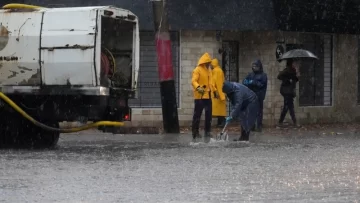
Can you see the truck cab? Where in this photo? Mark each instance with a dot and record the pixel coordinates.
(66, 64)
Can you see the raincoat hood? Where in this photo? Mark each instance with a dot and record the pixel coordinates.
(258, 63)
(215, 63)
(227, 87)
(205, 58)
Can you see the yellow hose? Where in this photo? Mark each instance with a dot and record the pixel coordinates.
(61, 130)
(21, 6)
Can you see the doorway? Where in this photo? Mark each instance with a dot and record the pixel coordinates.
(230, 63)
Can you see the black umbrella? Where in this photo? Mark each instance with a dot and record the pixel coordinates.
(297, 53)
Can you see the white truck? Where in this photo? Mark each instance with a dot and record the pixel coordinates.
(65, 64)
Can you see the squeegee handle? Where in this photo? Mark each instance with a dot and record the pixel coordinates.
(224, 127)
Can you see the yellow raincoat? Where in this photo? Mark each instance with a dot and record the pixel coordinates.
(201, 76)
(218, 104)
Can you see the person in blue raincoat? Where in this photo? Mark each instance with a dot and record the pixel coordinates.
(257, 82)
(245, 107)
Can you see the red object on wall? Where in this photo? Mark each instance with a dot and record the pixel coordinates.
(164, 56)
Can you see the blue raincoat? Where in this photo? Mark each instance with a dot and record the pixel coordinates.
(257, 82)
(245, 104)
(259, 78)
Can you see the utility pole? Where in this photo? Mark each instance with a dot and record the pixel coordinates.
(165, 68)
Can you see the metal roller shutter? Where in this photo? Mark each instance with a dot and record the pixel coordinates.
(315, 82)
(148, 83)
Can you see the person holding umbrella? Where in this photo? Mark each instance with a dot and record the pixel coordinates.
(289, 77)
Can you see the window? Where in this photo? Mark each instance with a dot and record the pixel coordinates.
(148, 83)
(315, 82)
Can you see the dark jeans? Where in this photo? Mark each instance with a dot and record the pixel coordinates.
(200, 105)
(288, 106)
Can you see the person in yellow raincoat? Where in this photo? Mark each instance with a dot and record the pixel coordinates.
(218, 100)
(202, 86)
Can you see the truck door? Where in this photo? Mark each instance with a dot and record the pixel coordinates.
(68, 47)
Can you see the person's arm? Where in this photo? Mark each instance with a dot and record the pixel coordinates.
(282, 75)
(295, 78)
(262, 82)
(247, 78)
(237, 107)
(195, 79)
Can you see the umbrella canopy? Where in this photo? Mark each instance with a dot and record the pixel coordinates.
(297, 53)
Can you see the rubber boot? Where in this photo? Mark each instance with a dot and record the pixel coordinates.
(244, 136)
(207, 137)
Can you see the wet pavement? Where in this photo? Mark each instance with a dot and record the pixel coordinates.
(158, 168)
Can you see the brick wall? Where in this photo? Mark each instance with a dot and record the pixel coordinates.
(259, 45)
(192, 45)
(344, 108)
(262, 45)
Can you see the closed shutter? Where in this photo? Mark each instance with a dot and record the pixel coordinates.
(328, 42)
(315, 82)
(148, 83)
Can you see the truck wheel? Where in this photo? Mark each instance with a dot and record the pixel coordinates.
(43, 139)
(17, 132)
(31, 136)
(9, 129)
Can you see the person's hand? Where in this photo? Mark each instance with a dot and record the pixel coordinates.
(228, 119)
(216, 95)
(200, 90)
(223, 98)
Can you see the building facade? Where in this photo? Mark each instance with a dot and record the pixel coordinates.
(327, 91)
(238, 32)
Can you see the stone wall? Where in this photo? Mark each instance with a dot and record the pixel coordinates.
(192, 45)
(259, 45)
(262, 45)
(345, 88)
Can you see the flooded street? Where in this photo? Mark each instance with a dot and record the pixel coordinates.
(155, 168)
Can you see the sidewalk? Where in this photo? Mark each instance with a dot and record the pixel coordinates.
(338, 128)
(320, 129)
